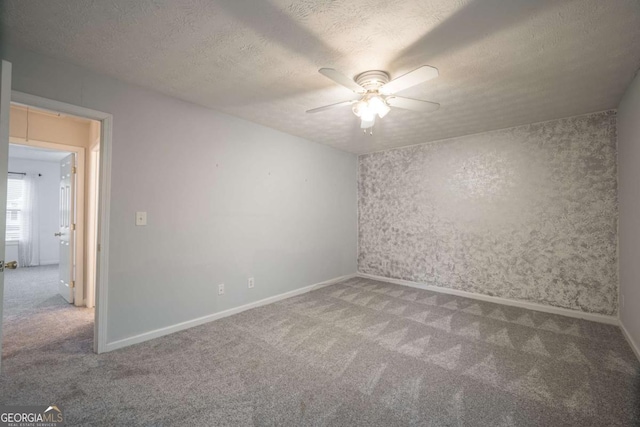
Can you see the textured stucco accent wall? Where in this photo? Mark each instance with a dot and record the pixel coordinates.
(527, 213)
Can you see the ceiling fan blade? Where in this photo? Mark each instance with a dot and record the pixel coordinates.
(412, 78)
(412, 104)
(341, 79)
(328, 107)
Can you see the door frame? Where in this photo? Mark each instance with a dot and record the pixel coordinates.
(78, 294)
(5, 108)
(104, 201)
(92, 191)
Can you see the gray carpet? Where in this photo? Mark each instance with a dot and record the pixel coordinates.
(357, 353)
(35, 315)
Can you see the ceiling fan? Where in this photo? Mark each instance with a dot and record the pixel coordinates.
(377, 93)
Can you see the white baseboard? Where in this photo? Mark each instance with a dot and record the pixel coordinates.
(211, 317)
(632, 343)
(611, 320)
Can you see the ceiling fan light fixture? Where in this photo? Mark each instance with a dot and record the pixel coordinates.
(370, 106)
(379, 105)
(360, 107)
(366, 124)
(368, 116)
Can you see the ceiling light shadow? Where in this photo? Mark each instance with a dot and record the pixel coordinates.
(473, 22)
(262, 16)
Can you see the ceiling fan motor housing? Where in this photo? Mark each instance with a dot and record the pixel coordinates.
(372, 80)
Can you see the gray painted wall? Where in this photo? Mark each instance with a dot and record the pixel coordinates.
(226, 199)
(527, 213)
(629, 194)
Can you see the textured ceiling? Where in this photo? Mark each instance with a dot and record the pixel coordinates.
(502, 63)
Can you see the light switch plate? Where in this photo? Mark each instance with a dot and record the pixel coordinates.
(141, 218)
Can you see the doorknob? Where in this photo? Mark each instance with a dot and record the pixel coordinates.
(12, 265)
(57, 234)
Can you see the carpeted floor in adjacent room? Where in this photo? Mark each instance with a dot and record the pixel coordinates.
(360, 352)
(36, 318)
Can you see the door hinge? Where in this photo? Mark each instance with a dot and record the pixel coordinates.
(72, 284)
(74, 227)
(73, 170)
(1, 266)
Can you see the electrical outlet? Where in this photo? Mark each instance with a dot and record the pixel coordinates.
(221, 289)
(251, 282)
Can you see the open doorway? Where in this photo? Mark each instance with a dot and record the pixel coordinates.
(52, 225)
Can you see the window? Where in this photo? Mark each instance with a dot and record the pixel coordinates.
(15, 203)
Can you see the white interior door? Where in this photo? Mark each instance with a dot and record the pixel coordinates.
(67, 220)
(5, 101)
